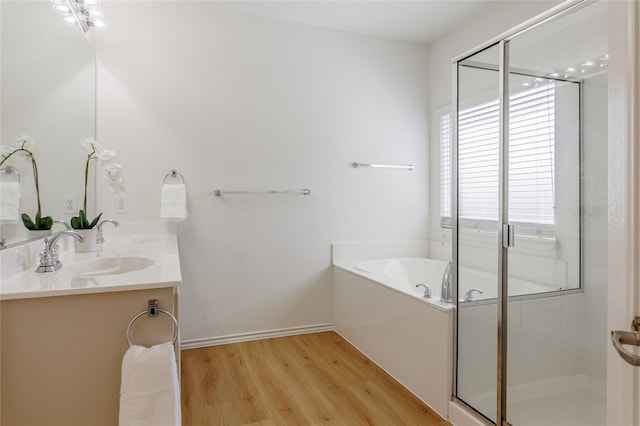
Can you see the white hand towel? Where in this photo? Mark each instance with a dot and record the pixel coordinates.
(9, 202)
(149, 390)
(173, 206)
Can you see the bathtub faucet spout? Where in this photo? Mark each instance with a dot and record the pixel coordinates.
(445, 291)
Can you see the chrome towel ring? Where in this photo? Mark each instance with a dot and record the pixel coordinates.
(173, 174)
(153, 311)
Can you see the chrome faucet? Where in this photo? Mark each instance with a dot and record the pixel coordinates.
(99, 236)
(49, 261)
(66, 225)
(427, 290)
(468, 296)
(445, 291)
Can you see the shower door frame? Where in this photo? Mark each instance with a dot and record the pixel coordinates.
(502, 41)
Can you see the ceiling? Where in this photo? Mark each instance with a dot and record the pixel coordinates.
(415, 21)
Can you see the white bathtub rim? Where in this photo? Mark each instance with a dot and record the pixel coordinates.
(433, 301)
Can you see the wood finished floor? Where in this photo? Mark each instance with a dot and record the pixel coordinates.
(311, 379)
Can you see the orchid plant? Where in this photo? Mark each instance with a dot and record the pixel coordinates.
(113, 175)
(23, 146)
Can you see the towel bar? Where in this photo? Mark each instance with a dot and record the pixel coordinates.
(153, 311)
(220, 193)
(355, 165)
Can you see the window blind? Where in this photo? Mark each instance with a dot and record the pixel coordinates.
(445, 165)
(531, 159)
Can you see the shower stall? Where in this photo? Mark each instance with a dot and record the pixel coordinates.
(529, 221)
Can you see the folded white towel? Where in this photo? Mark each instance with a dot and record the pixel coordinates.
(173, 206)
(9, 202)
(149, 390)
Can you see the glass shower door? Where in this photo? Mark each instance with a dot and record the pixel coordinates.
(475, 227)
(530, 222)
(556, 74)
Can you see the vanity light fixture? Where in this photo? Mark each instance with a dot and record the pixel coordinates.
(87, 13)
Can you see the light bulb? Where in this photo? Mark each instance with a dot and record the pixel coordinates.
(61, 6)
(69, 19)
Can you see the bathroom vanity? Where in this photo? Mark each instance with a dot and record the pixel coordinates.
(63, 333)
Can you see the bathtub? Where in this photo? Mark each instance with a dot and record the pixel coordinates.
(378, 310)
(403, 274)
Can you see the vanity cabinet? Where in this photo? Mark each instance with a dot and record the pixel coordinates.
(61, 356)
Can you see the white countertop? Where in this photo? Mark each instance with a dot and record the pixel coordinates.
(158, 268)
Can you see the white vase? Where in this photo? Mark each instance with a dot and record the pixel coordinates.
(89, 244)
(40, 233)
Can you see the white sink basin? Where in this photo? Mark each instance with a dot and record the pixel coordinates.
(107, 266)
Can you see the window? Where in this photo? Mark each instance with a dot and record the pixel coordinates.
(531, 161)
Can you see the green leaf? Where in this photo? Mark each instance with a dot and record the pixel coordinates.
(81, 222)
(45, 223)
(75, 223)
(28, 223)
(83, 219)
(94, 222)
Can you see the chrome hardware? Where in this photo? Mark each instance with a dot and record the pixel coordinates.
(635, 324)
(49, 261)
(619, 338)
(508, 236)
(99, 236)
(173, 174)
(355, 165)
(153, 310)
(427, 290)
(468, 296)
(445, 290)
(220, 193)
(66, 225)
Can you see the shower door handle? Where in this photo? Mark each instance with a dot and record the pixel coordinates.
(508, 236)
(619, 338)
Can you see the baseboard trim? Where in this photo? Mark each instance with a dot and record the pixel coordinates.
(257, 335)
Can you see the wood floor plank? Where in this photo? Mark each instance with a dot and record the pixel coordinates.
(312, 379)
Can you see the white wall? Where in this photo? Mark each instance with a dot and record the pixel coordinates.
(240, 102)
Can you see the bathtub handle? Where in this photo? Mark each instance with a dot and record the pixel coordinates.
(427, 290)
(468, 296)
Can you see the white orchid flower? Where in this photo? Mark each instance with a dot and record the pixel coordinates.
(105, 155)
(113, 173)
(116, 188)
(23, 142)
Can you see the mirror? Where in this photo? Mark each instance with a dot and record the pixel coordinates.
(47, 92)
